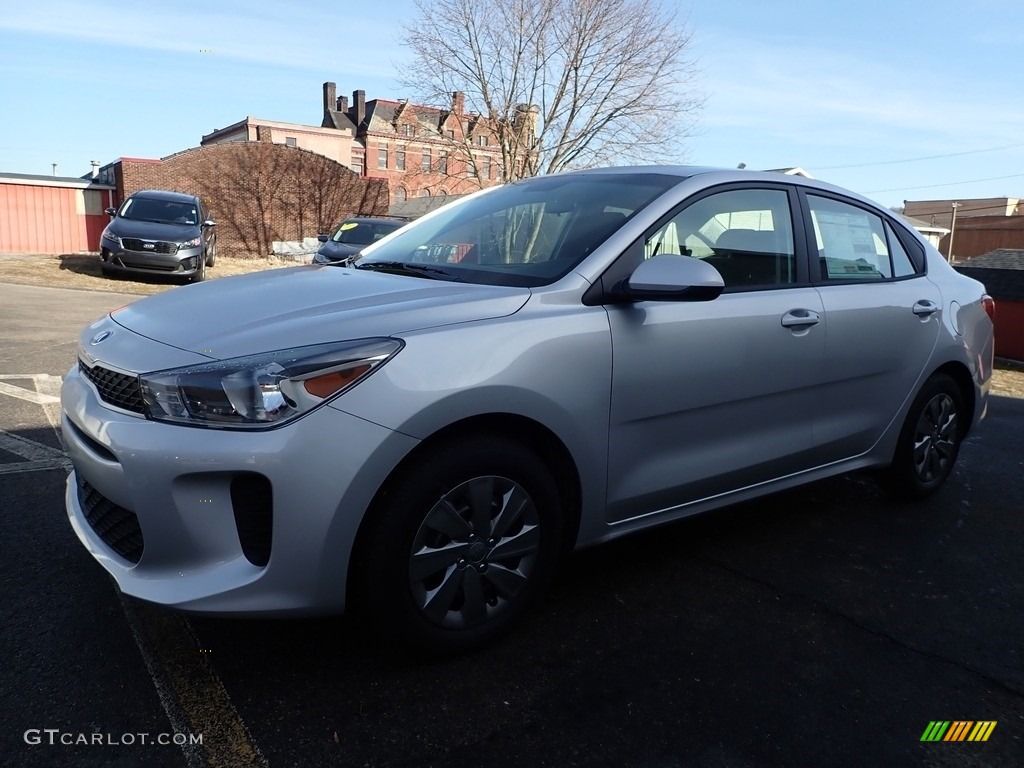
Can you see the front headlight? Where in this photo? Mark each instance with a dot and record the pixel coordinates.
(195, 242)
(260, 391)
(112, 238)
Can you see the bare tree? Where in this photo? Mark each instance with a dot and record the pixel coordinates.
(563, 83)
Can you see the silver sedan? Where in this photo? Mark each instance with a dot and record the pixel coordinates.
(541, 366)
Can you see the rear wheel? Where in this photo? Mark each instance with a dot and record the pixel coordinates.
(461, 544)
(929, 442)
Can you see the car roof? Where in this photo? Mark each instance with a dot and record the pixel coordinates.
(163, 194)
(724, 176)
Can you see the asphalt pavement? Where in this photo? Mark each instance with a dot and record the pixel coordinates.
(826, 626)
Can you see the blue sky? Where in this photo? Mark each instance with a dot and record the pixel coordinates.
(896, 100)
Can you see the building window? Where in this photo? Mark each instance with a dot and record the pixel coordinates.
(482, 141)
(425, 193)
(400, 195)
(290, 141)
(442, 162)
(449, 134)
(427, 161)
(408, 130)
(485, 167)
(400, 159)
(471, 169)
(356, 163)
(382, 156)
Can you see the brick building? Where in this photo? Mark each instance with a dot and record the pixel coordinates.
(421, 151)
(257, 192)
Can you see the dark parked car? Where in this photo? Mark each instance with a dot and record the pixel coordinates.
(158, 231)
(351, 236)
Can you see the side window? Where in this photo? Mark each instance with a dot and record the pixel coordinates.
(746, 234)
(855, 244)
(902, 265)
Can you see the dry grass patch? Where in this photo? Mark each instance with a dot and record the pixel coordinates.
(82, 271)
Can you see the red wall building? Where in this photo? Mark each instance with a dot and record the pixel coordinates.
(51, 214)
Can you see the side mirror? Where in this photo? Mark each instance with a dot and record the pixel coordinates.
(110, 211)
(323, 238)
(209, 223)
(671, 278)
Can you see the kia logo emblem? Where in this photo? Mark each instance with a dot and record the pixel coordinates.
(102, 335)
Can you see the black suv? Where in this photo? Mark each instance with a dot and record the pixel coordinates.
(162, 232)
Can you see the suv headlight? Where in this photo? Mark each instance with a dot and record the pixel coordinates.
(260, 391)
(112, 238)
(195, 242)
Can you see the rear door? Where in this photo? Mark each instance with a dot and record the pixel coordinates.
(881, 321)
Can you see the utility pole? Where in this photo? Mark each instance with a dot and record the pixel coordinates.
(952, 231)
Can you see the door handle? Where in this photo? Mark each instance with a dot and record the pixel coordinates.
(924, 308)
(797, 318)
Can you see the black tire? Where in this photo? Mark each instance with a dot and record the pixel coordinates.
(105, 270)
(429, 576)
(929, 442)
(211, 255)
(200, 274)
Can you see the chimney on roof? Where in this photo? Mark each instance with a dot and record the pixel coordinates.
(458, 102)
(359, 103)
(95, 168)
(343, 104)
(330, 97)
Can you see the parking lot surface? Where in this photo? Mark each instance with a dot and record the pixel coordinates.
(822, 626)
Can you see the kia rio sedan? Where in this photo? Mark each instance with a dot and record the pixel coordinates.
(538, 367)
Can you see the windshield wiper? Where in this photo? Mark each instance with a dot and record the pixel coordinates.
(406, 268)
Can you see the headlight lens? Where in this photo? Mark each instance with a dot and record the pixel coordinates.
(260, 391)
(195, 242)
(112, 238)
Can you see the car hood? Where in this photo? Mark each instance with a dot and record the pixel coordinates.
(297, 306)
(148, 230)
(334, 250)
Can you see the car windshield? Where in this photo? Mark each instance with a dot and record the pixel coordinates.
(362, 232)
(159, 211)
(525, 234)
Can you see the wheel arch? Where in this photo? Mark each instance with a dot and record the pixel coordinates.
(961, 376)
(534, 435)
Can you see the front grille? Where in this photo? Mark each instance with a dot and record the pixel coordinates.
(252, 503)
(117, 526)
(115, 388)
(134, 244)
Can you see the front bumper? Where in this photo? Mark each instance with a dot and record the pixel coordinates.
(322, 472)
(184, 262)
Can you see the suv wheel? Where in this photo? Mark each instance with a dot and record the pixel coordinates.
(200, 274)
(211, 254)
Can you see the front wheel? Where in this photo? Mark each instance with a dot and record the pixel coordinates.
(460, 545)
(929, 442)
(200, 274)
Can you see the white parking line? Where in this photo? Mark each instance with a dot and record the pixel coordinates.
(191, 693)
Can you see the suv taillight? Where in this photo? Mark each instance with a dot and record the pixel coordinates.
(990, 306)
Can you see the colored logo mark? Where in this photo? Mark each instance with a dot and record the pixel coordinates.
(958, 730)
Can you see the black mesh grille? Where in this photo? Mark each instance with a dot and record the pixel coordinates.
(134, 244)
(117, 526)
(115, 388)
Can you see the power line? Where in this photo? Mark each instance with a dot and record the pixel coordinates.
(947, 184)
(916, 159)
